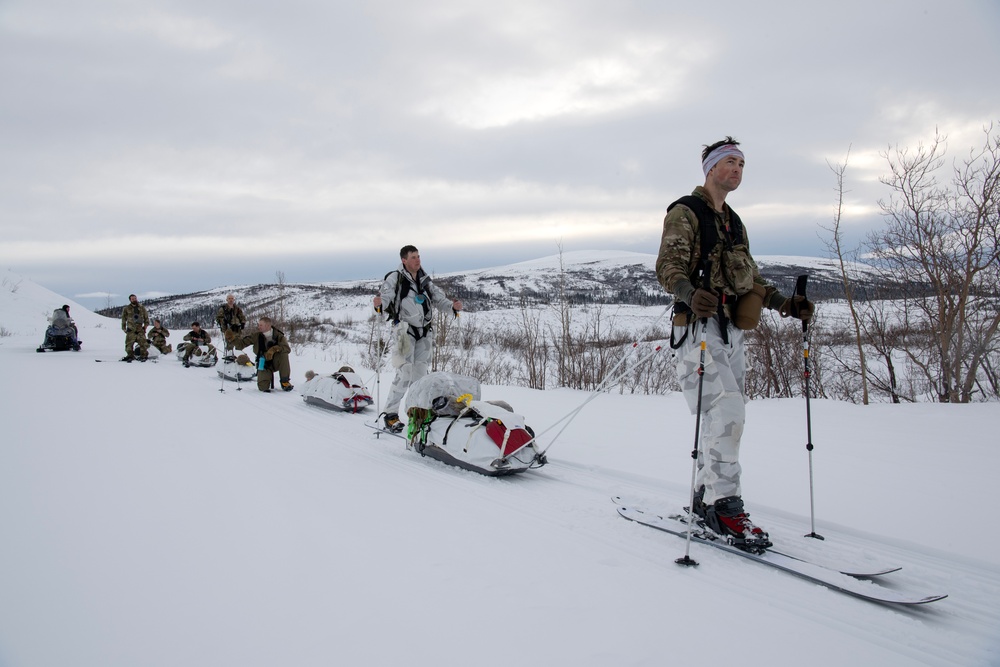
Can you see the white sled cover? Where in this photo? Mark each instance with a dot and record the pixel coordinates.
(447, 421)
(344, 390)
(237, 369)
(205, 355)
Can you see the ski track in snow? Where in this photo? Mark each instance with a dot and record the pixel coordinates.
(226, 472)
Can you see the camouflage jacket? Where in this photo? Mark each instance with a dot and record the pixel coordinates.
(134, 317)
(198, 338)
(158, 336)
(231, 318)
(262, 343)
(733, 270)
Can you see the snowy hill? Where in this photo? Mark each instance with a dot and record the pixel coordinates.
(149, 518)
(595, 276)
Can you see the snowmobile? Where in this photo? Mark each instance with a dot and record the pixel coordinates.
(59, 340)
(344, 390)
(447, 421)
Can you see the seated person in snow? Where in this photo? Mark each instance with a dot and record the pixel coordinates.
(197, 336)
(157, 337)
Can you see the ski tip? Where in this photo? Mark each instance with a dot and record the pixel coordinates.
(869, 574)
(931, 598)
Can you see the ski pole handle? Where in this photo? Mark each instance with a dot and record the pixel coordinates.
(800, 290)
(706, 280)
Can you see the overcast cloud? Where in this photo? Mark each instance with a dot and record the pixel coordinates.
(163, 147)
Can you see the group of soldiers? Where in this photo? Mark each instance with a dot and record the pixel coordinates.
(270, 345)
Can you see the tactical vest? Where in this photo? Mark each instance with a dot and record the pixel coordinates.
(403, 288)
(708, 234)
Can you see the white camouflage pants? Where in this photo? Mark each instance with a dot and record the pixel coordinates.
(411, 358)
(722, 405)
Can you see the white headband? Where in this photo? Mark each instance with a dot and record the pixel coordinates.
(716, 156)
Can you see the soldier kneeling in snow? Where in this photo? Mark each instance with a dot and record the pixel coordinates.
(272, 350)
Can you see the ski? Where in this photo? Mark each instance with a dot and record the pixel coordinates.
(818, 574)
(858, 571)
(381, 430)
(138, 361)
(852, 569)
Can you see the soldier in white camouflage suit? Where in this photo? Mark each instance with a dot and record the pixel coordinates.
(408, 295)
(679, 268)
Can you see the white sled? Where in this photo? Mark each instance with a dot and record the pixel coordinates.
(344, 391)
(237, 369)
(204, 356)
(447, 421)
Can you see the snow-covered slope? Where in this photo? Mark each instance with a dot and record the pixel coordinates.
(149, 519)
(603, 276)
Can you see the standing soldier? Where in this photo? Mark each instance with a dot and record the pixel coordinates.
(272, 350)
(408, 294)
(157, 337)
(135, 319)
(701, 231)
(230, 316)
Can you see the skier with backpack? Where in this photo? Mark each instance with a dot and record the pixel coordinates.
(407, 295)
(702, 230)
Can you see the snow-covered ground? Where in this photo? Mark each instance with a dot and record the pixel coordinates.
(149, 519)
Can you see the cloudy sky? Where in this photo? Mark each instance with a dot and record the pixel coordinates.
(162, 147)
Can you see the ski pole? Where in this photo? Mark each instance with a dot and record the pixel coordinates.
(706, 283)
(225, 356)
(380, 346)
(800, 290)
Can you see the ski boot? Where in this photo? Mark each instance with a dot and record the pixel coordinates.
(392, 423)
(727, 518)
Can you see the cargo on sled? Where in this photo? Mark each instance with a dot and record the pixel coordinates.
(447, 421)
(237, 368)
(344, 391)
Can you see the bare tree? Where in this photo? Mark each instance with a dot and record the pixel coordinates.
(280, 279)
(942, 242)
(835, 246)
(563, 339)
(774, 359)
(535, 350)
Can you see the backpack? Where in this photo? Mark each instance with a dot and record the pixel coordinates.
(709, 233)
(403, 288)
(709, 237)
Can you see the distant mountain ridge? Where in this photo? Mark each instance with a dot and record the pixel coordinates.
(584, 277)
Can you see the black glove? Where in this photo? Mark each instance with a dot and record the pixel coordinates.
(704, 303)
(797, 306)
